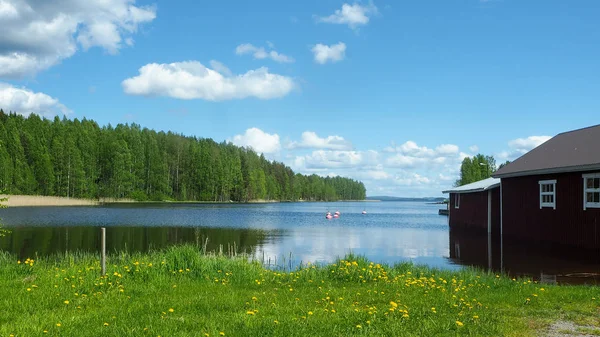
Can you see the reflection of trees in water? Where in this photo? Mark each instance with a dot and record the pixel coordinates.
(27, 242)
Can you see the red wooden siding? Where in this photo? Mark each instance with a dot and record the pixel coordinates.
(569, 224)
(472, 213)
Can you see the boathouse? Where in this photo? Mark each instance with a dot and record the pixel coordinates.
(551, 194)
(476, 206)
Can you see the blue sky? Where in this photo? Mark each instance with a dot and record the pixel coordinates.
(392, 93)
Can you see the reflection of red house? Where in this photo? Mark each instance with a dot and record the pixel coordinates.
(476, 206)
(552, 193)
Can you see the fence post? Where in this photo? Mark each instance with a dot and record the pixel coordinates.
(103, 250)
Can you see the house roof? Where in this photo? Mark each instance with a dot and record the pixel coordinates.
(566, 152)
(478, 186)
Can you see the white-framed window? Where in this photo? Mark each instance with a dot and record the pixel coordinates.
(591, 190)
(547, 193)
(457, 200)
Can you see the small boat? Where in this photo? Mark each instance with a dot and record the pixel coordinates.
(337, 212)
(328, 216)
(364, 212)
(336, 215)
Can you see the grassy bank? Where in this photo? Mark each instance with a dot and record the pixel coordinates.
(181, 292)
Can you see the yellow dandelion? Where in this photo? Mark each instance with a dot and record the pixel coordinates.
(206, 334)
(310, 313)
(476, 317)
(254, 298)
(459, 323)
(405, 316)
(171, 310)
(105, 324)
(358, 326)
(66, 302)
(58, 324)
(222, 333)
(251, 313)
(45, 331)
(394, 304)
(28, 289)
(276, 321)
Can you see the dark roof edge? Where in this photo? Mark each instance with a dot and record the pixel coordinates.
(576, 130)
(481, 189)
(567, 169)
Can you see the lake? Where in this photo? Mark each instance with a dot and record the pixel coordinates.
(281, 234)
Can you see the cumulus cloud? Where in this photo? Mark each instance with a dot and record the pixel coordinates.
(192, 80)
(352, 15)
(322, 159)
(24, 101)
(39, 34)
(520, 146)
(258, 140)
(260, 53)
(324, 53)
(313, 141)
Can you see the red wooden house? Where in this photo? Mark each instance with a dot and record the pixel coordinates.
(476, 206)
(551, 195)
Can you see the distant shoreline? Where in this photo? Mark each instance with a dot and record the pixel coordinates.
(40, 200)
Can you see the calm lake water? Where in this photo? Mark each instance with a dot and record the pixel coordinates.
(390, 232)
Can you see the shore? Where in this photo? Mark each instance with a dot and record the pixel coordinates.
(184, 292)
(39, 200)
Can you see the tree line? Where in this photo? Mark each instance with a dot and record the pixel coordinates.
(477, 168)
(78, 158)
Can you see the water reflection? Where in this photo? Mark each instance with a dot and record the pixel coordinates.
(547, 264)
(288, 234)
(44, 241)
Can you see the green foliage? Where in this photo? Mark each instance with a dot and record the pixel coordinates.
(184, 292)
(73, 158)
(474, 169)
(504, 164)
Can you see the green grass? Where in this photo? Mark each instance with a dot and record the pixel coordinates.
(181, 292)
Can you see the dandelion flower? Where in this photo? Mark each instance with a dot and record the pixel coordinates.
(171, 310)
(222, 333)
(476, 317)
(394, 304)
(58, 324)
(358, 326)
(105, 324)
(66, 302)
(251, 313)
(459, 323)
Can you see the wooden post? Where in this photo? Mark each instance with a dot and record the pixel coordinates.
(103, 250)
(489, 228)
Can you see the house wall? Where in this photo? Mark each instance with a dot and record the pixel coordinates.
(568, 224)
(472, 213)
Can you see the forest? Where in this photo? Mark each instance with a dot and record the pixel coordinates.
(80, 159)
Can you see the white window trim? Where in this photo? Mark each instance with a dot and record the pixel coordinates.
(553, 193)
(586, 190)
(457, 200)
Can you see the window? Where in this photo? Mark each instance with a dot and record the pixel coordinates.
(457, 200)
(591, 190)
(548, 193)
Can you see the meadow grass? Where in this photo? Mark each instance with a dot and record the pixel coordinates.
(183, 292)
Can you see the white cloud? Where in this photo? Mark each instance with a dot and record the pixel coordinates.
(333, 53)
(39, 34)
(220, 68)
(24, 101)
(258, 140)
(473, 148)
(312, 140)
(352, 15)
(260, 53)
(192, 80)
(322, 159)
(520, 146)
